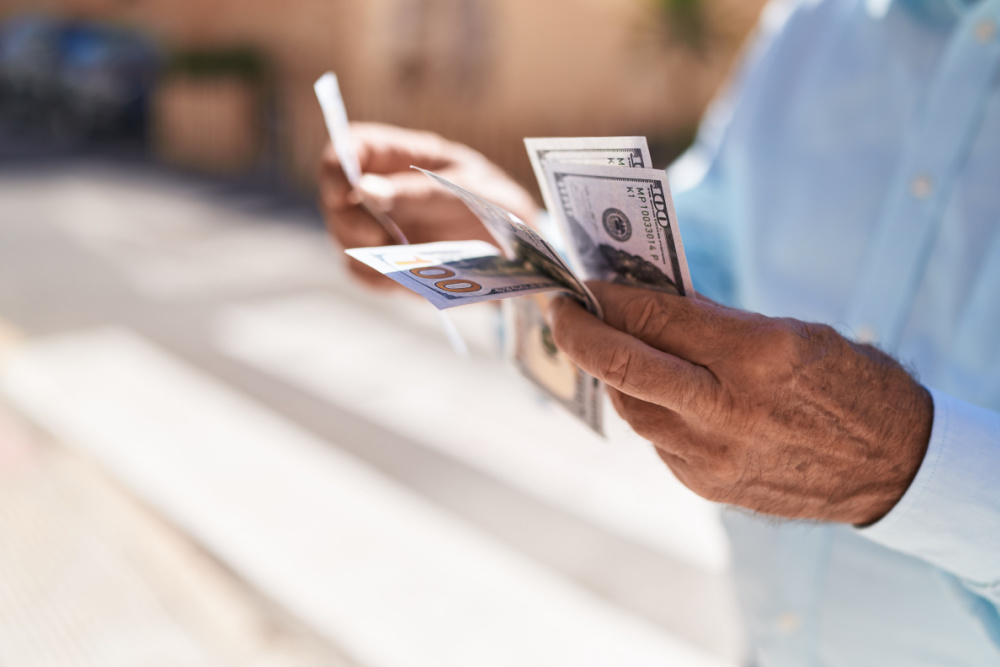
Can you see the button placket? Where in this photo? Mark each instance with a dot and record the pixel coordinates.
(921, 185)
(891, 276)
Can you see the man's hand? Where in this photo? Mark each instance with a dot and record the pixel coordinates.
(423, 210)
(776, 415)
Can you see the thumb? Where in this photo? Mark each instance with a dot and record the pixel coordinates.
(690, 328)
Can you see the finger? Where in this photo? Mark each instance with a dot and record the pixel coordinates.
(356, 228)
(650, 421)
(624, 362)
(694, 329)
(704, 467)
(425, 210)
(382, 149)
(385, 149)
(409, 194)
(665, 430)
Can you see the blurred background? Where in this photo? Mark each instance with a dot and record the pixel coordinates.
(217, 450)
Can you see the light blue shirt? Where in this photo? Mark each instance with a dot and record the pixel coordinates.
(851, 175)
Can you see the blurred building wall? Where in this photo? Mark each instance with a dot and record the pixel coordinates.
(486, 72)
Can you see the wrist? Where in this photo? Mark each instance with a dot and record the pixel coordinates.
(909, 431)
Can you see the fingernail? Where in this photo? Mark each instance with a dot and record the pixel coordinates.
(378, 187)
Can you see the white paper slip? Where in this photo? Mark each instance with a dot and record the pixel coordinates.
(335, 115)
(327, 89)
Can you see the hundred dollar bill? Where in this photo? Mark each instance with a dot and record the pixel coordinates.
(531, 349)
(454, 273)
(621, 225)
(630, 152)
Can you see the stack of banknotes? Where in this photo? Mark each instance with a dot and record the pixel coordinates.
(616, 220)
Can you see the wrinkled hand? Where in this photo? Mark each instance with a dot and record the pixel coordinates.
(423, 210)
(776, 415)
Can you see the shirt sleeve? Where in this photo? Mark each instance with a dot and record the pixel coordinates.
(950, 515)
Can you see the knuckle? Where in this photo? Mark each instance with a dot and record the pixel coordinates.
(642, 420)
(786, 340)
(777, 346)
(332, 191)
(713, 493)
(717, 478)
(698, 482)
(613, 365)
(727, 472)
(644, 316)
(619, 368)
(795, 339)
(712, 490)
(331, 204)
(823, 336)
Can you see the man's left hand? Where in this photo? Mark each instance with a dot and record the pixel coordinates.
(776, 415)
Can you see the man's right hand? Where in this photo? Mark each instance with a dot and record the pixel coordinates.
(423, 210)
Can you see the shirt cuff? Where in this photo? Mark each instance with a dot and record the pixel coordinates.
(950, 515)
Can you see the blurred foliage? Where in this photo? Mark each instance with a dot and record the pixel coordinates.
(685, 20)
(242, 62)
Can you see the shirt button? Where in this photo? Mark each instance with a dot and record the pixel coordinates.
(866, 335)
(921, 186)
(985, 31)
(789, 623)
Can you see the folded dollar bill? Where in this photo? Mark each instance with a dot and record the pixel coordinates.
(454, 273)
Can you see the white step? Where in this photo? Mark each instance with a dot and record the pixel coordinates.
(475, 410)
(389, 578)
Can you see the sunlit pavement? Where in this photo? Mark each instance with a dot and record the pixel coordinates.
(311, 458)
